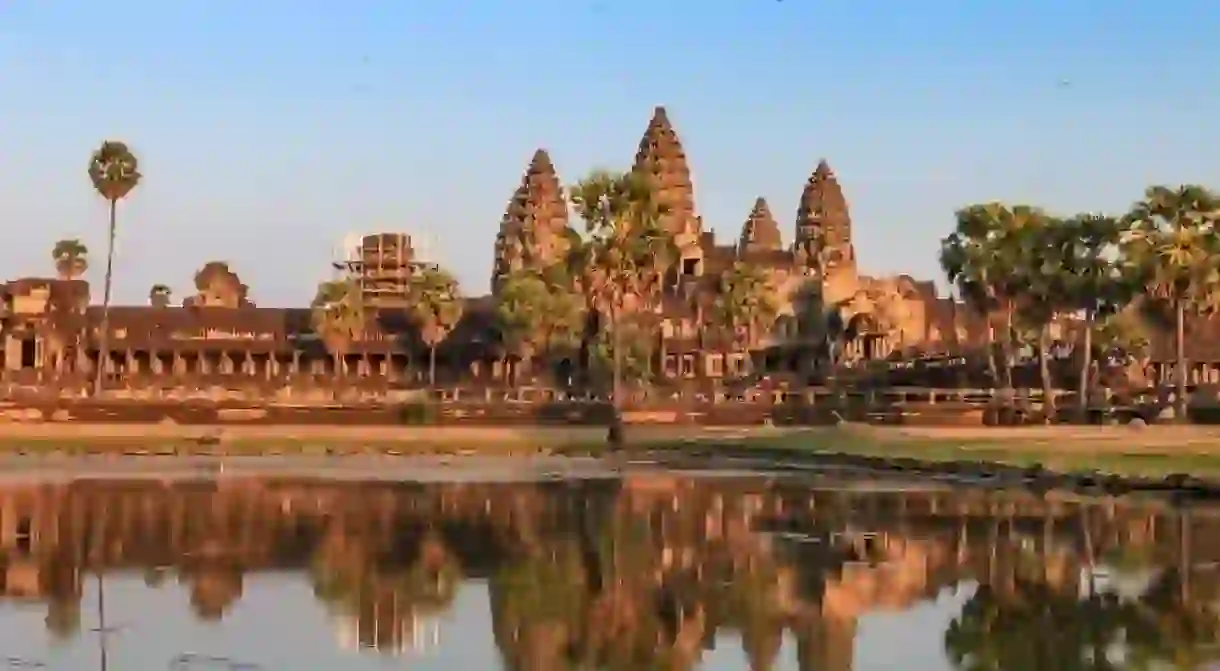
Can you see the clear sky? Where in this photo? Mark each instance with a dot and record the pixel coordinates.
(268, 130)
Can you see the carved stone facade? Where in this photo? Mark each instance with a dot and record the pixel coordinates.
(661, 157)
(533, 231)
(760, 232)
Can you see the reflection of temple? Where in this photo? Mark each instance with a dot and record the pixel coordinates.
(640, 573)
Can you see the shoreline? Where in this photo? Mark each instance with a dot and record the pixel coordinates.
(169, 438)
(1181, 462)
(1154, 451)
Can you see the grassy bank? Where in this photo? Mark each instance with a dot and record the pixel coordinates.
(1151, 451)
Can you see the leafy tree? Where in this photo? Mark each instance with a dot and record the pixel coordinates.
(114, 172)
(521, 313)
(1123, 333)
(71, 258)
(1174, 251)
(1094, 282)
(217, 285)
(536, 314)
(435, 308)
(337, 312)
(623, 262)
(988, 258)
(159, 296)
(746, 303)
(1037, 246)
(1039, 627)
(631, 361)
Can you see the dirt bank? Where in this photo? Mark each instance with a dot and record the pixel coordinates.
(476, 437)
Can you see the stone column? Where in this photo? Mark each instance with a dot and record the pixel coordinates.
(12, 353)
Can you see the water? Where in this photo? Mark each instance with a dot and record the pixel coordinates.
(638, 570)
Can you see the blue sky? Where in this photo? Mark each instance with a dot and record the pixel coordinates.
(268, 130)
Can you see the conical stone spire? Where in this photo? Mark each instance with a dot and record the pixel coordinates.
(823, 225)
(661, 157)
(760, 232)
(533, 230)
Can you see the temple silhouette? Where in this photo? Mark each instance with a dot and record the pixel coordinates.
(219, 338)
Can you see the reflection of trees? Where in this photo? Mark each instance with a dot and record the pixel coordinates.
(537, 603)
(649, 572)
(1171, 629)
(63, 618)
(384, 602)
(1018, 620)
(214, 588)
(1035, 626)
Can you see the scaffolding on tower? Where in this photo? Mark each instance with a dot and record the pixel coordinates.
(381, 265)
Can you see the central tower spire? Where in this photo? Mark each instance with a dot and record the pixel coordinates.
(662, 158)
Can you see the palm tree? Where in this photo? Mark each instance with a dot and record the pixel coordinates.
(1094, 281)
(746, 303)
(71, 258)
(1037, 248)
(1172, 247)
(114, 172)
(624, 261)
(435, 307)
(338, 318)
(982, 259)
(159, 296)
(964, 260)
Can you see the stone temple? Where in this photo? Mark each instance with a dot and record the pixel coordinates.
(218, 338)
(816, 272)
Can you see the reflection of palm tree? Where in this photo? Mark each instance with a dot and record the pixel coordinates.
(63, 618)
(103, 632)
(537, 606)
(1170, 630)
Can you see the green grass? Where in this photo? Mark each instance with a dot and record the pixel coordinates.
(1111, 457)
(1107, 458)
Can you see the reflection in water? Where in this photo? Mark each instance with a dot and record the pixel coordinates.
(650, 572)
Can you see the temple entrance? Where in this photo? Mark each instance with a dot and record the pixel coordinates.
(29, 352)
(873, 346)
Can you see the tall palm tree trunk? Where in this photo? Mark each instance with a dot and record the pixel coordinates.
(993, 368)
(1086, 365)
(1010, 350)
(102, 631)
(432, 365)
(103, 343)
(1044, 370)
(1179, 410)
(616, 344)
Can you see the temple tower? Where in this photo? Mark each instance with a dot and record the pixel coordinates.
(533, 231)
(760, 232)
(823, 226)
(662, 159)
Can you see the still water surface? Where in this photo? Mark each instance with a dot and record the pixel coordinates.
(650, 570)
